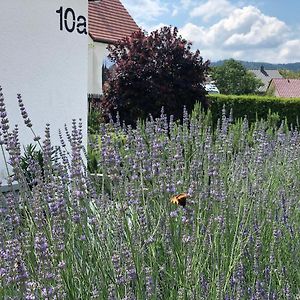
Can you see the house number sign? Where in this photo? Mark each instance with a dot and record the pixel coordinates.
(69, 21)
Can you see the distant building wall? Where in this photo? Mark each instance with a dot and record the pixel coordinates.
(97, 54)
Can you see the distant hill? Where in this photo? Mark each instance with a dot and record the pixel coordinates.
(250, 65)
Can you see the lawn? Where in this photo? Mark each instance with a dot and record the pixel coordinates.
(113, 233)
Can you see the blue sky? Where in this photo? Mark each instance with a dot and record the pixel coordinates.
(253, 30)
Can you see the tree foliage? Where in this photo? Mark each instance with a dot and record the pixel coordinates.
(152, 71)
(233, 78)
(290, 74)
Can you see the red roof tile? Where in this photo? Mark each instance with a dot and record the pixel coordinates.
(109, 21)
(288, 88)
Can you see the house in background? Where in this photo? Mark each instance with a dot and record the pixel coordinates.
(286, 88)
(210, 85)
(109, 21)
(211, 88)
(265, 76)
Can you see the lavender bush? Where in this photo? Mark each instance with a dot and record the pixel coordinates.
(115, 235)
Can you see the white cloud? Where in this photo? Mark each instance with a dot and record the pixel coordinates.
(180, 6)
(290, 51)
(175, 11)
(246, 33)
(155, 27)
(241, 32)
(212, 8)
(186, 3)
(145, 10)
(249, 27)
(195, 34)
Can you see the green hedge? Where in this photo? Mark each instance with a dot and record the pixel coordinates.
(256, 107)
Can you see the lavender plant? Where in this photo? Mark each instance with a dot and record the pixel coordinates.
(116, 235)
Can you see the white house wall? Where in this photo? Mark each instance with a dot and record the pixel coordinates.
(97, 54)
(44, 61)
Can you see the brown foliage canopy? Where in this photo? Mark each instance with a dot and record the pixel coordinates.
(152, 71)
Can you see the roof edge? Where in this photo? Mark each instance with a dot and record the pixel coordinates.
(105, 41)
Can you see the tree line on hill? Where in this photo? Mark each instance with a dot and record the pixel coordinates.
(250, 65)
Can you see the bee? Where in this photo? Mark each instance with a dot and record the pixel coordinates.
(180, 199)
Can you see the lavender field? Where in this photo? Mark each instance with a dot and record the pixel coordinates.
(114, 234)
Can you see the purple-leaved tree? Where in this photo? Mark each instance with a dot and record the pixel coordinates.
(152, 71)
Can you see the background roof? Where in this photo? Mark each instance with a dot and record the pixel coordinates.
(266, 76)
(288, 88)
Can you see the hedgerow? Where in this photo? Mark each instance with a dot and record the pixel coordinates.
(256, 107)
